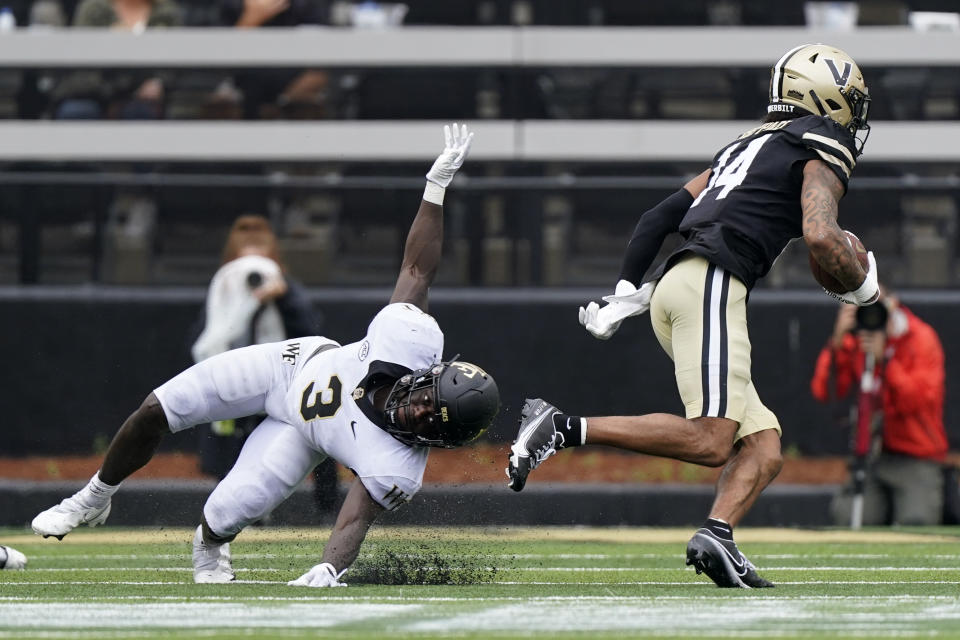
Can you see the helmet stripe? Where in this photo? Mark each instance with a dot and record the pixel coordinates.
(816, 101)
(776, 86)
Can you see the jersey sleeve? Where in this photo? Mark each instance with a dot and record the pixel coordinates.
(403, 334)
(390, 492)
(829, 142)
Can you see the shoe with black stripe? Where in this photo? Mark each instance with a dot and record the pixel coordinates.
(536, 441)
(753, 579)
(722, 561)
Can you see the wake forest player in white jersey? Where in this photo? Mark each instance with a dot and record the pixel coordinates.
(774, 183)
(374, 405)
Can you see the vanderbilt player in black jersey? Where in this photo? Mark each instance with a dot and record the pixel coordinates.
(779, 181)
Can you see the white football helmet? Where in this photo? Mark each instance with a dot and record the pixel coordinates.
(821, 80)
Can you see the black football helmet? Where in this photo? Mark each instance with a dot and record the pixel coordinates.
(457, 402)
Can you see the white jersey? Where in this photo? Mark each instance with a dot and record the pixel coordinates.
(319, 389)
(327, 400)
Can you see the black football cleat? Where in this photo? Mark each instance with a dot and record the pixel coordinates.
(753, 579)
(536, 441)
(722, 562)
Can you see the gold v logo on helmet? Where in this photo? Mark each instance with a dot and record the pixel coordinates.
(839, 78)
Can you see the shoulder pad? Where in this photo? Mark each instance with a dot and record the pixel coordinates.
(403, 334)
(831, 142)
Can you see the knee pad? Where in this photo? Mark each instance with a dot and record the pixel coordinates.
(229, 510)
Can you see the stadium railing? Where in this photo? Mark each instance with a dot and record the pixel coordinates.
(42, 151)
(464, 46)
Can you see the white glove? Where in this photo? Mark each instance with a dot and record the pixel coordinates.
(15, 559)
(458, 141)
(322, 575)
(866, 293)
(626, 301)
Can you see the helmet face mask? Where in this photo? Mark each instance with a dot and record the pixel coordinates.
(822, 80)
(445, 405)
(859, 102)
(411, 408)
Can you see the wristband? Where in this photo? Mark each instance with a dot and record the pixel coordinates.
(866, 292)
(434, 193)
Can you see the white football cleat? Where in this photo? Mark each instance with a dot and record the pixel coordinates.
(211, 563)
(60, 520)
(14, 560)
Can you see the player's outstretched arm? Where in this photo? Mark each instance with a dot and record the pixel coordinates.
(421, 255)
(358, 512)
(825, 239)
(654, 226)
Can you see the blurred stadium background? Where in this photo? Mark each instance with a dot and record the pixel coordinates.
(587, 112)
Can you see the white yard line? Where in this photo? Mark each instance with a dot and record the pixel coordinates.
(757, 595)
(760, 616)
(125, 582)
(192, 615)
(508, 569)
(710, 584)
(874, 616)
(503, 556)
(697, 583)
(639, 535)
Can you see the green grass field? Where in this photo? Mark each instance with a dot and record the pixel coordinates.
(480, 583)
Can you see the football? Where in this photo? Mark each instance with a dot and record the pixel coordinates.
(826, 280)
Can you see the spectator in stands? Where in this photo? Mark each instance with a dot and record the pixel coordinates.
(287, 94)
(130, 95)
(47, 13)
(273, 13)
(894, 361)
(10, 558)
(252, 301)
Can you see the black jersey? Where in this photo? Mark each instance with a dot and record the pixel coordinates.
(750, 208)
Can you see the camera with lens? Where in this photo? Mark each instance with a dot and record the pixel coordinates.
(872, 317)
(254, 279)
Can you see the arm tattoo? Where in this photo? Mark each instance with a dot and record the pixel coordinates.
(825, 239)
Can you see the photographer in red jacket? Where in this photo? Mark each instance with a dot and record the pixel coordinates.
(892, 361)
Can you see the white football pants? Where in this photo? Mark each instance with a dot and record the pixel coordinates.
(273, 462)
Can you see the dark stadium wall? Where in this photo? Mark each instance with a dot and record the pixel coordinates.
(75, 371)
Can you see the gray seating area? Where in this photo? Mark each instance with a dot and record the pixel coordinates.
(528, 212)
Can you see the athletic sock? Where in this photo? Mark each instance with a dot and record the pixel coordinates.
(719, 528)
(573, 430)
(3, 556)
(98, 492)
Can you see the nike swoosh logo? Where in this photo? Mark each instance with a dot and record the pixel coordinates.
(533, 425)
(738, 563)
(353, 427)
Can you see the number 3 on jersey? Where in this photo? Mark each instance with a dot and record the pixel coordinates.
(325, 402)
(730, 176)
